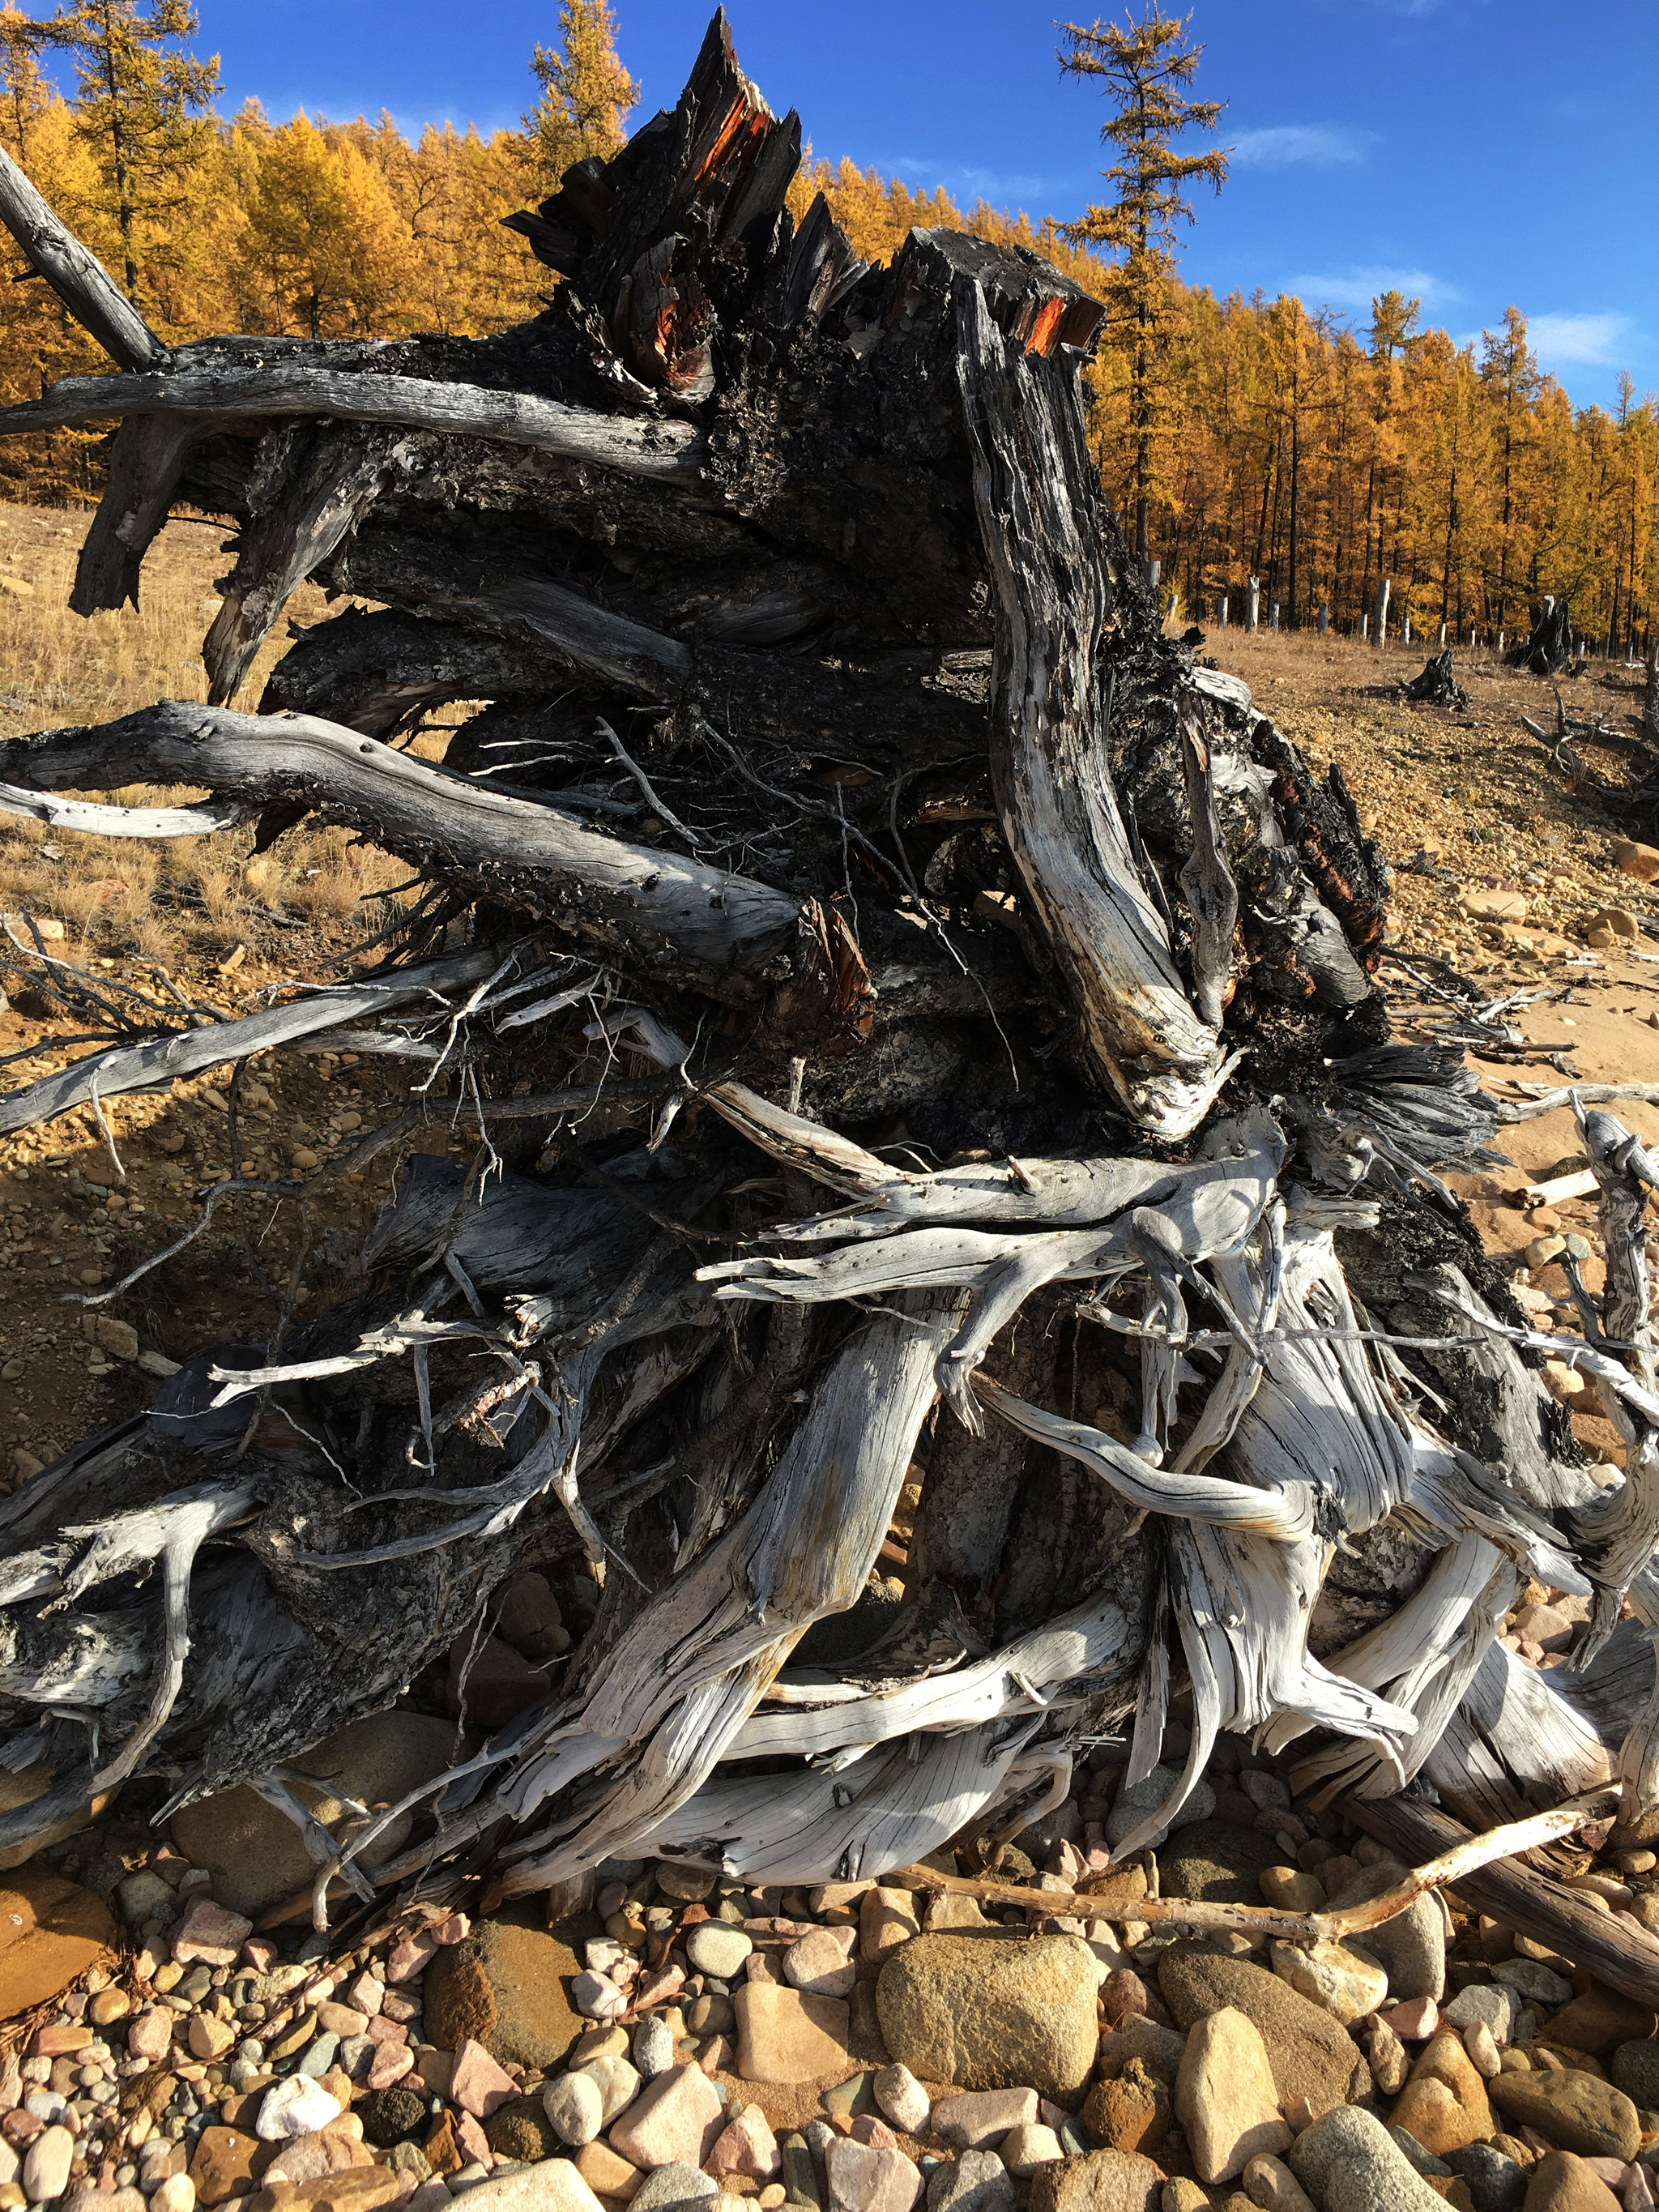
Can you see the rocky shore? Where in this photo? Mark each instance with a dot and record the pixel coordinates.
(681, 2039)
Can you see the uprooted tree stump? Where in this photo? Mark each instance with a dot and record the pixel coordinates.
(920, 1034)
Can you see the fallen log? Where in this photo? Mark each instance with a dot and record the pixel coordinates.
(1006, 1169)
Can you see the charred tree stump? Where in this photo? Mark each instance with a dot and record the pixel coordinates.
(1548, 648)
(1006, 1164)
(1437, 685)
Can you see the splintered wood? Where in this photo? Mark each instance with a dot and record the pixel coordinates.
(915, 1030)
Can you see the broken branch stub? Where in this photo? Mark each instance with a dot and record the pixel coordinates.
(933, 1110)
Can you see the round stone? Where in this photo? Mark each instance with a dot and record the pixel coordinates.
(574, 2108)
(618, 2085)
(714, 1948)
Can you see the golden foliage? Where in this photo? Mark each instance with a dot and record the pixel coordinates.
(1267, 442)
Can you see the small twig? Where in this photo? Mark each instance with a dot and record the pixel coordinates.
(663, 812)
(1507, 1842)
(106, 1132)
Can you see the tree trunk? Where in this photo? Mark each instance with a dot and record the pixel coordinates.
(1000, 1110)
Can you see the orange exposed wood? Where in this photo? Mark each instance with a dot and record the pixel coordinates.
(1046, 328)
(741, 114)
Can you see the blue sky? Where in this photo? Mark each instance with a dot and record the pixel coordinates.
(1473, 152)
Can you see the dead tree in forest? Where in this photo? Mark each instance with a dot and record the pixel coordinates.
(954, 1059)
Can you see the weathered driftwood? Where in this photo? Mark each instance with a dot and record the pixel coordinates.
(950, 1068)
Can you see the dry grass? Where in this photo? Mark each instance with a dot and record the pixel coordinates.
(185, 902)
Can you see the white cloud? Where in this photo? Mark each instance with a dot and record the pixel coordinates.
(1592, 340)
(1316, 145)
(1354, 288)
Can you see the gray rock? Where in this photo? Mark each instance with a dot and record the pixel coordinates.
(1133, 1803)
(653, 2047)
(675, 2184)
(255, 1854)
(1347, 2162)
(318, 2057)
(1532, 1979)
(1496, 2183)
(1634, 2068)
(145, 1896)
(714, 1948)
(356, 2055)
(801, 2182)
(1310, 2055)
(1411, 1948)
(1063, 1825)
(1217, 1862)
(1423, 2160)
(993, 2015)
(977, 2182)
(1492, 2003)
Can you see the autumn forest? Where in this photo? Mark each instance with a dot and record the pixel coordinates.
(1247, 437)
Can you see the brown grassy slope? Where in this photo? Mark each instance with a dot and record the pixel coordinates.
(198, 910)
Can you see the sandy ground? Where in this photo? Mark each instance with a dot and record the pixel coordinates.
(1468, 802)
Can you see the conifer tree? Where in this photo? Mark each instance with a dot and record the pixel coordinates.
(1143, 67)
(141, 108)
(585, 92)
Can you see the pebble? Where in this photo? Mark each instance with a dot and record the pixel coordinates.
(819, 1964)
(972, 2010)
(1532, 1979)
(1484, 2054)
(294, 2108)
(978, 2181)
(714, 1948)
(1347, 2162)
(676, 2115)
(1290, 1890)
(1344, 1981)
(1414, 2021)
(1269, 2182)
(979, 2119)
(653, 2047)
(862, 2178)
(1575, 2110)
(1495, 2183)
(746, 2146)
(1225, 2097)
(618, 2084)
(903, 2098)
(575, 2107)
(177, 2193)
(1444, 2102)
(1132, 1806)
(1563, 2183)
(676, 2183)
(210, 1933)
(46, 2165)
(1023, 2149)
(1492, 2003)
(1388, 2058)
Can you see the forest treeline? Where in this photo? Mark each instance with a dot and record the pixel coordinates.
(1317, 457)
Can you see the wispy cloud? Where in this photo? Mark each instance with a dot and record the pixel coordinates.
(961, 179)
(1579, 340)
(1356, 287)
(1313, 145)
